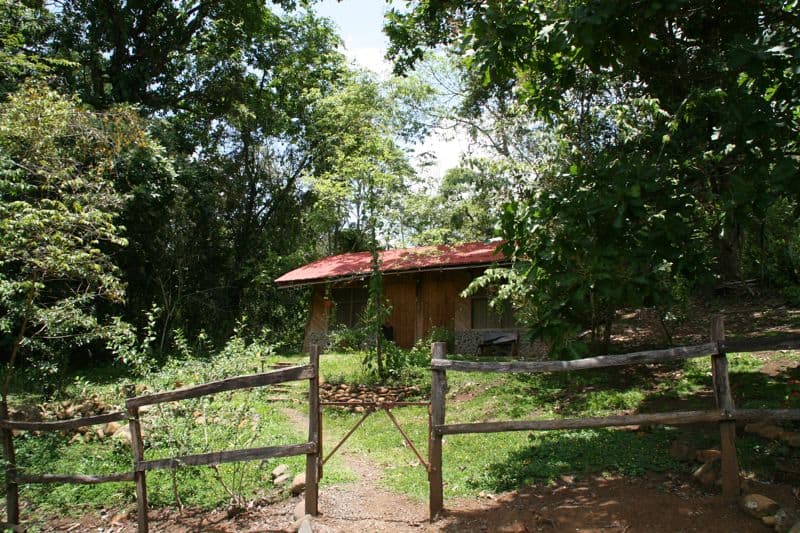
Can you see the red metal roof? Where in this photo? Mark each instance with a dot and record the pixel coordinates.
(357, 264)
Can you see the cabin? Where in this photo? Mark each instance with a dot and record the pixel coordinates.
(423, 286)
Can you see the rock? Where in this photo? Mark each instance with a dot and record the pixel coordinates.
(708, 473)
(795, 528)
(704, 456)
(785, 520)
(280, 470)
(27, 413)
(283, 479)
(764, 429)
(111, 428)
(768, 521)
(744, 485)
(303, 525)
(681, 451)
(298, 484)
(299, 509)
(123, 435)
(758, 506)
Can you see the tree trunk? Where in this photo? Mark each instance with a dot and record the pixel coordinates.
(728, 246)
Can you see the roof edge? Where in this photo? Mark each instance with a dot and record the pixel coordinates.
(351, 277)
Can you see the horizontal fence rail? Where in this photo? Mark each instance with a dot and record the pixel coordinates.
(282, 375)
(76, 479)
(725, 415)
(231, 456)
(311, 449)
(63, 425)
(675, 418)
(603, 361)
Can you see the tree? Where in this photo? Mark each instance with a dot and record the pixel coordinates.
(58, 223)
(23, 29)
(144, 52)
(675, 123)
(723, 75)
(367, 170)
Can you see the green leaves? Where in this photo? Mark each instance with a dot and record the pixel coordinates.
(57, 219)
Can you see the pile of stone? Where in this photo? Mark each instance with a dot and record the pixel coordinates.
(708, 474)
(67, 410)
(281, 475)
(55, 411)
(769, 430)
(357, 395)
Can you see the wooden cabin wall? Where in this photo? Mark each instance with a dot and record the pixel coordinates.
(317, 325)
(401, 291)
(440, 296)
(420, 302)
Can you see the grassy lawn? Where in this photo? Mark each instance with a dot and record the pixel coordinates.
(472, 463)
(226, 421)
(503, 461)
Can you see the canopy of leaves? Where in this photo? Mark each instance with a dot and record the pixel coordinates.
(58, 210)
(676, 122)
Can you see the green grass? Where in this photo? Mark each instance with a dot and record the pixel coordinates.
(502, 461)
(225, 421)
(472, 463)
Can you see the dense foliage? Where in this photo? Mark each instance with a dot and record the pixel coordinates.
(676, 125)
(629, 154)
(267, 139)
(58, 223)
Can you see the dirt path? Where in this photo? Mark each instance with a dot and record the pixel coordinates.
(653, 503)
(362, 505)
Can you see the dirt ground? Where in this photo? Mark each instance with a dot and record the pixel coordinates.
(654, 503)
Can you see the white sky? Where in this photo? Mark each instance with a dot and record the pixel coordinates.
(360, 24)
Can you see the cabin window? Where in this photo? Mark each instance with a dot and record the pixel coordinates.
(350, 304)
(486, 317)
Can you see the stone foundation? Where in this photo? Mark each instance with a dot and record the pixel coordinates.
(468, 342)
(318, 337)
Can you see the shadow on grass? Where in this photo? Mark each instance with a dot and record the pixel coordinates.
(667, 388)
(556, 453)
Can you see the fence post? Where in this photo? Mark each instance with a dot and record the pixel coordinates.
(314, 435)
(727, 428)
(438, 391)
(12, 488)
(139, 476)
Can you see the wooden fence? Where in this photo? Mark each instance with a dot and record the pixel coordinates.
(725, 414)
(310, 449)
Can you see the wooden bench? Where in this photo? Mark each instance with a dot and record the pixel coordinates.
(499, 339)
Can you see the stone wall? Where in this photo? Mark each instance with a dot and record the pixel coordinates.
(467, 342)
(317, 337)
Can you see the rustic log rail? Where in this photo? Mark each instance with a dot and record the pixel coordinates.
(14, 478)
(603, 361)
(726, 414)
(311, 449)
